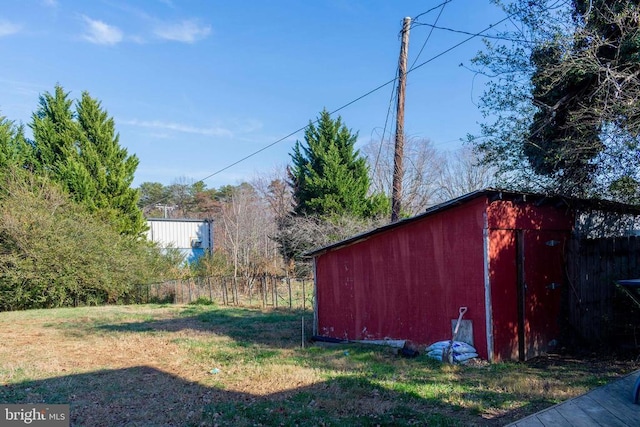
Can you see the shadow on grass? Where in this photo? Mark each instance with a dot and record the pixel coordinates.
(280, 328)
(367, 387)
(145, 396)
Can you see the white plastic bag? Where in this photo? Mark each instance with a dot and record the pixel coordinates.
(458, 347)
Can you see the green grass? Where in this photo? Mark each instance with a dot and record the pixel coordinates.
(205, 365)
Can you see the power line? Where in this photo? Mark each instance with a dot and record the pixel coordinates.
(453, 30)
(471, 37)
(432, 9)
(430, 32)
(372, 91)
(393, 91)
(384, 129)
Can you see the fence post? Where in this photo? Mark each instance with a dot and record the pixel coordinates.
(275, 293)
(175, 291)
(304, 295)
(289, 286)
(224, 291)
(235, 290)
(210, 291)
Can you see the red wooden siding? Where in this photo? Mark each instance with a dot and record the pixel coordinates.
(545, 281)
(542, 265)
(504, 300)
(407, 282)
(510, 215)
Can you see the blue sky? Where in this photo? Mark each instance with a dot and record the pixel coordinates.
(195, 86)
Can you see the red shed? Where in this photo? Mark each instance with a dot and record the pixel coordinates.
(498, 253)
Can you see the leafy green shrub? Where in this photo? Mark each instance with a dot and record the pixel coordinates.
(202, 301)
(54, 252)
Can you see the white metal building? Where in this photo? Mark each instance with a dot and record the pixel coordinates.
(192, 237)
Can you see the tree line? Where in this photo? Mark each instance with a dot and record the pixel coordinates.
(72, 228)
(561, 116)
(330, 190)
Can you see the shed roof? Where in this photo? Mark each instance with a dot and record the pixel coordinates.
(493, 194)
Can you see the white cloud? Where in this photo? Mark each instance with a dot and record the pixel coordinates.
(99, 32)
(8, 28)
(185, 31)
(50, 3)
(178, 127)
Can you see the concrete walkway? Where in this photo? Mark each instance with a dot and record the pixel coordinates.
(609, 405)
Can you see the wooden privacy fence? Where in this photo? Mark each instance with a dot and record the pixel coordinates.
(264, 291)
(597, 310)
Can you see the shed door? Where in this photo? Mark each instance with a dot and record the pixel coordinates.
(540, 269)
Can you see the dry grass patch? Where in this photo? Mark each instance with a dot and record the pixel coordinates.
(202, 365)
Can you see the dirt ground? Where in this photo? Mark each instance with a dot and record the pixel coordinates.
(110, 373)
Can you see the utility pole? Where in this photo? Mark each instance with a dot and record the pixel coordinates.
(398, 170)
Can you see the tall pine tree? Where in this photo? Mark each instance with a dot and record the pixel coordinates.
(110, 165)
(328, 176)
(81, 151)
(54, 131)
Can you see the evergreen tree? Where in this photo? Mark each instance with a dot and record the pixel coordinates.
(81, 151)
(109, 164)
(15, 150)
(152, 193)
(328, 176)
(54, 131)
